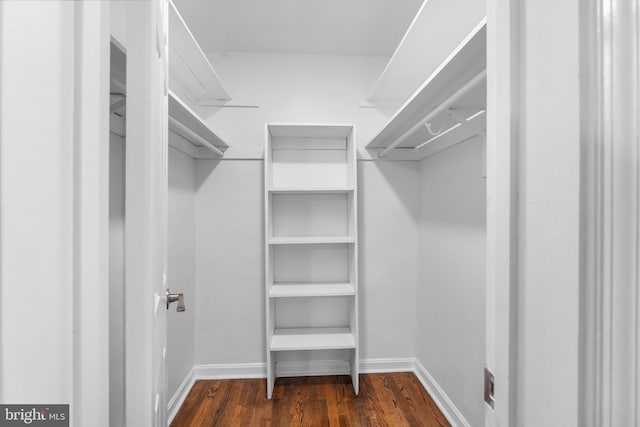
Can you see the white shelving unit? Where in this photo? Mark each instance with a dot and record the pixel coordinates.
(192, 75)
(311, 249)
(448, 108)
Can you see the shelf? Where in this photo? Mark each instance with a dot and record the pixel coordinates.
(310, 240)
(190, 72)
(459, 84)
(292, 290)
(312, 339)
(196, 138)
(434, 33)
(304, 131)
(310, 190)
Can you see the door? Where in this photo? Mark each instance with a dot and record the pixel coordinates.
(146, 214)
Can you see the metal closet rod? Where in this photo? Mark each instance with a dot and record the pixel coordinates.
(471, 84)
(175, 123)
(462, 121)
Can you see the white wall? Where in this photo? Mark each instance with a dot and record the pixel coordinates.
(229, 206)
(388, 219)
(181, 265)
(36, 191)
(116, 281)
(118, 21)
(230, 262)
(450, 331)
(292, 88)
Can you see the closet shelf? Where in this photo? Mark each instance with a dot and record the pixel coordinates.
(196, 139)
(310, 240)
(449, 107)
(291, 290)
(190, 72)
(312, 339)
(310, 190)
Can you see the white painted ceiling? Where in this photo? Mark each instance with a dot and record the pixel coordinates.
(329, 27)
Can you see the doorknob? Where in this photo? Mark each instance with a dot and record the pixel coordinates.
(173, 298)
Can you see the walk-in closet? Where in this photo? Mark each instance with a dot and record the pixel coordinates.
(319, 213)
(326, 212)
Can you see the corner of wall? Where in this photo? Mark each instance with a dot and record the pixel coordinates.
(439, 396)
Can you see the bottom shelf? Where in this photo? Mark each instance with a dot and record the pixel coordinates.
(312, 339)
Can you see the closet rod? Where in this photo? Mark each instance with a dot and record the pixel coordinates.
(175, 123)
(479, 78)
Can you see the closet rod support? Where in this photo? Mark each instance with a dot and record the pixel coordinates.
(197, 138)
(470, 85)
(461, 122)
(431, 132)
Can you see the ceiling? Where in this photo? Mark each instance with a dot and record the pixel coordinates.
(326, 27)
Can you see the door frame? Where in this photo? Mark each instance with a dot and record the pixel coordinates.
(145, 217)
(502, 158)
(609, 306)
(90, 163)
(610, 273)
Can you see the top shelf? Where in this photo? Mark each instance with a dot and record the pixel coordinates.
(191, 73)
(466, 63)
(309, 131)
(439, 23)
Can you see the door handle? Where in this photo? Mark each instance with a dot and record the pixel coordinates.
(173, 298)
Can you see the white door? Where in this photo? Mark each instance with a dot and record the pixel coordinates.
(146, 214)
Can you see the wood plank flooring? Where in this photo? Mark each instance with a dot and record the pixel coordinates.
(389, 400)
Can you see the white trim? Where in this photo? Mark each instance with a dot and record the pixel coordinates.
(610, 207)
(222, 371)
(180, 395)
(90, 398)
(375, 366)
(502, 175)
(444, 403)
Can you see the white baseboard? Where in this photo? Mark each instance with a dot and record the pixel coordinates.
(375, 366)
(448, 409)
(320, 367)
(180, 395)
(223, 371)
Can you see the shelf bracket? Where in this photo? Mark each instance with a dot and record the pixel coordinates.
(461, 122)
(431, 132)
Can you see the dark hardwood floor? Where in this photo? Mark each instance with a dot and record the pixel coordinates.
(393, 400)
